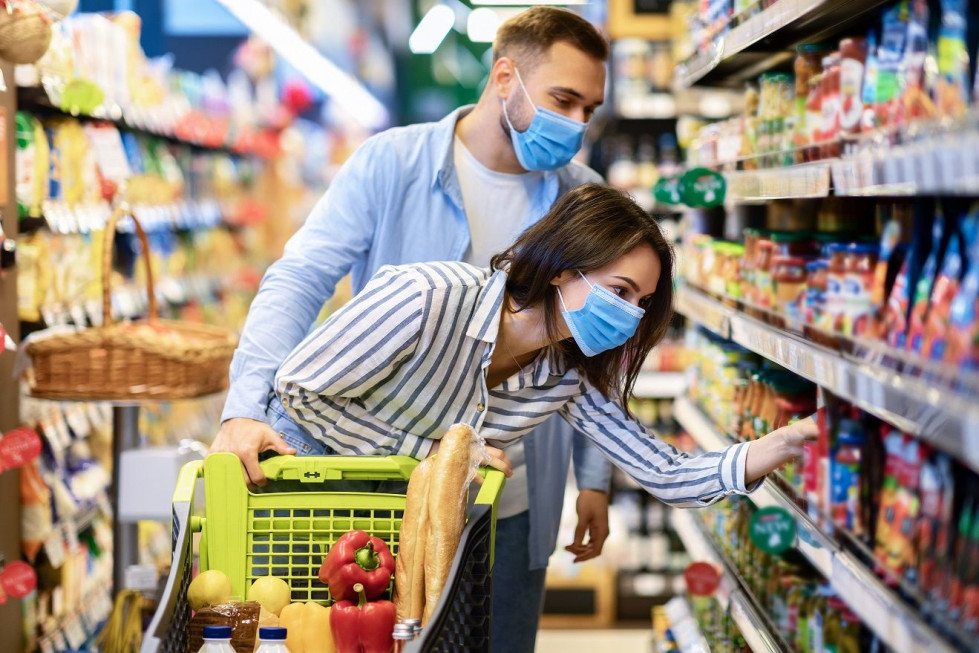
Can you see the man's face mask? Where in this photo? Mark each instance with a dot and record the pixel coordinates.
(551, 140)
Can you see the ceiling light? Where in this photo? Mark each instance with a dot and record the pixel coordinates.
(432, 30)
(482, 25)
(343, 90)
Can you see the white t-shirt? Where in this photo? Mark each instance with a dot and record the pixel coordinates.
(496, 205)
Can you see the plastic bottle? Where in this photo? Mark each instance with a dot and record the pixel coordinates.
(272, 640)
(217, 639)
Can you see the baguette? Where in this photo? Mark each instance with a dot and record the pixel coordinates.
(446, 510)
(414, 527)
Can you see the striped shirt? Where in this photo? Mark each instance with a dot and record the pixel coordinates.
(405, 359)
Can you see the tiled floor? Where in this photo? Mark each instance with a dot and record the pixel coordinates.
(593, 641)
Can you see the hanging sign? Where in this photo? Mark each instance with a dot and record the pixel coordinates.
(18, 579)
(667, 190)
(702, 579)
(773, 530)
(19, 447)
(702, 188)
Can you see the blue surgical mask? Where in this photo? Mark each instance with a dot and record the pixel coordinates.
(551, 140)
(604, 321)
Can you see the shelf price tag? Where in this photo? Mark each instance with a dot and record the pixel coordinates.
(19, 447)
(773, 530)
(18, 579)
(702, 579)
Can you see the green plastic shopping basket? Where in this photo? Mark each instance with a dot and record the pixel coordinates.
(287, 534)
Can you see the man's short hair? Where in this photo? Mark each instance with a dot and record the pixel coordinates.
(530, 34)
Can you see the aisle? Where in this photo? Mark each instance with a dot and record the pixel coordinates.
(586, 641)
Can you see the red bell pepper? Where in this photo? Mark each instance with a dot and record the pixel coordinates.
(357, 558)
(363, 627)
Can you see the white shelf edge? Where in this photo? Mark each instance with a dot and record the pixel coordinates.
(660, 385)
(895, 623)
(751, 625)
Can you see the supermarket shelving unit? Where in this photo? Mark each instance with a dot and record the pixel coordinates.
(877, 605)
(763, 41)
(11, 620)
(760, 634)
(927, 400)
(945, 418)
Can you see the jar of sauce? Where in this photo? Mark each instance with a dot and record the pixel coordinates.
(763, 292)
(858, 287)
(816, 281)
(835, 278)
(789, 282)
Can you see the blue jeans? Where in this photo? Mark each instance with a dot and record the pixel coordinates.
(518, 590)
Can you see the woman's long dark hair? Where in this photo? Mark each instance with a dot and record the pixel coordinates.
(587, 229)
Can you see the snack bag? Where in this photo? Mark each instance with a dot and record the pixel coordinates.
(922, 292)
(951, 87)
(946, 289)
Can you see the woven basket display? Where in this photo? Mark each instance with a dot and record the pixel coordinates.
(25, 31)
(146, 359)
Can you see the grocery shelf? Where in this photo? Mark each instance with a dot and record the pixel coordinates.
(897, 624)
(685, 629)
(802, 181)
(924, 158)
(660, 385)
(756, 631)
(765, 40)
(916, 404)
(35, 99)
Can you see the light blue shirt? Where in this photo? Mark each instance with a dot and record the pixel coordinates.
(397, 200)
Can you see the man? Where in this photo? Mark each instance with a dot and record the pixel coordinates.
(459, 189)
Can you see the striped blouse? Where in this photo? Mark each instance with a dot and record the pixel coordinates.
(406, 358)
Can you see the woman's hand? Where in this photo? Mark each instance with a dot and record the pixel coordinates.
(494, 458)
(246, 438)
(777, 448)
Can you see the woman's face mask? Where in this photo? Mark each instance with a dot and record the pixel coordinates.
(551, 140)
(604, 321)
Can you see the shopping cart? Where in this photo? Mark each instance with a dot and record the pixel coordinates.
(286, 534)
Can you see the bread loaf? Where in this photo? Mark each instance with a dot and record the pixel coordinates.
(446, 510)
(412, 531)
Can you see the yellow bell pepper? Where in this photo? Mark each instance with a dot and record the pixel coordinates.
(308, 627)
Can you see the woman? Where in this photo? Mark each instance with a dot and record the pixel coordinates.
(561, 322)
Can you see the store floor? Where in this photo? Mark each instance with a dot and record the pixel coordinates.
(588, 641)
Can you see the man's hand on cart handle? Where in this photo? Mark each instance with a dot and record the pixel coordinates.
(495, 458)
(247, 438)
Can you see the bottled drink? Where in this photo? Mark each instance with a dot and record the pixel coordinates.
(217, 639)
(271, 640)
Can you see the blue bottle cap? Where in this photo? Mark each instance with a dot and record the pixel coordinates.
(272, 634)
(217, 632)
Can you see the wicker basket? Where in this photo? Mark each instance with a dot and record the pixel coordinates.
(147, 359)
(25, 31)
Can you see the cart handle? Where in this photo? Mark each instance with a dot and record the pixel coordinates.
(315, 469)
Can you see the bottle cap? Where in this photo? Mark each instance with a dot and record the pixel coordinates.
(217, 632)
(272, 634)
(403, 632)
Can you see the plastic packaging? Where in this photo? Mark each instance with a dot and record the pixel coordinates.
(242, 618)
(952, 85)
(922, 294)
